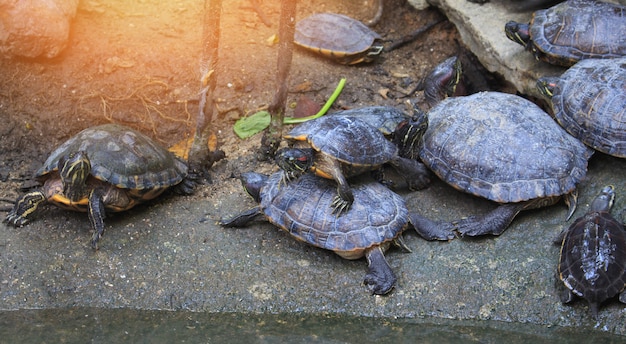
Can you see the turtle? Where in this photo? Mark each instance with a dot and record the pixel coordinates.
(106, 168)
(303, 209)
(573, 30)
(588, 100)
(442, 81)
(338, 147)
(498, 146)
(592, 263)
(338, 37)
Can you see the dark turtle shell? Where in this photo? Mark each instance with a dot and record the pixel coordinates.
(502, 147)
(593, 258)
(384, 118)
(579, 29)
(303, 209)
(345, 138)
(122, 157)
(339, 37)
(589, 101)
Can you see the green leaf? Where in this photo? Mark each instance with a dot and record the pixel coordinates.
(255, 123)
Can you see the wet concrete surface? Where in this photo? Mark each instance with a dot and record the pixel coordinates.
(172, 255)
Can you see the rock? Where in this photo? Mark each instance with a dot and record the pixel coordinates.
(419, 4)
(482, 29)
(35, 28)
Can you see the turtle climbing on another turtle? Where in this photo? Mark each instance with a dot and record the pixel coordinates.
(103, 168)
(338, 37)
(589, 101)
(498, 146)
(573, 30)
(302, 208)
(592, 263)
(338, 147)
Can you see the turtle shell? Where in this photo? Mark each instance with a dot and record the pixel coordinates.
(347, 139)
(384, 118)
(339, 37)
(122, 157)
(589, 101)
(579, 29)
(303, 209)
(593, 258)
(502, 147)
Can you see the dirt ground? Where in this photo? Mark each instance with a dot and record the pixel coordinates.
(137, 63)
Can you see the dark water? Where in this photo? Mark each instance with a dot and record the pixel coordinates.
(134, 326)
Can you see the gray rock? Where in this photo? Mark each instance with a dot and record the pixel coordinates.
(34, 28)
(482, 29)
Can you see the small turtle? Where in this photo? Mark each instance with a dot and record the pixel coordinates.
(443, 80)
(103, 168)
(572, 31)
(339, 37)
(589, 101)
(498, 146)
(593, 255)
(302, 208)
(338, 147)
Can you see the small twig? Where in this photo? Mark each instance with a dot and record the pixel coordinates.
(413, 35)
(286, 28)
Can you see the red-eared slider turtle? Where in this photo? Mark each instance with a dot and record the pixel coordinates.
(339, 37)
(337, 147)
(572, 31)
(593, 255)
(442, 81)
(377, 218)
(589, 101)
(501, 147)
(103, 168)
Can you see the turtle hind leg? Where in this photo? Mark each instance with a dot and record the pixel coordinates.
(96, 214)
(380, 279)
(242, 219)
(495, 222)
(24, 207)
(431, 230)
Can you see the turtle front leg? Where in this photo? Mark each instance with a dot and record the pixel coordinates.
(243, 218)
(414, 172)
(380, 279)
(344, 199)
(96, 216)
(24, 207)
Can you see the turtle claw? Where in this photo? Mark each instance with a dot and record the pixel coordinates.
(287, 177)
(15, 220)
(340, 205)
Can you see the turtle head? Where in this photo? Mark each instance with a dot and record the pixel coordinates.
(295, 161)
(74, 170)
(604, 200)
(408, 134)
(253, 182)
(546, 86)
(443, 80)
(518, 32)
